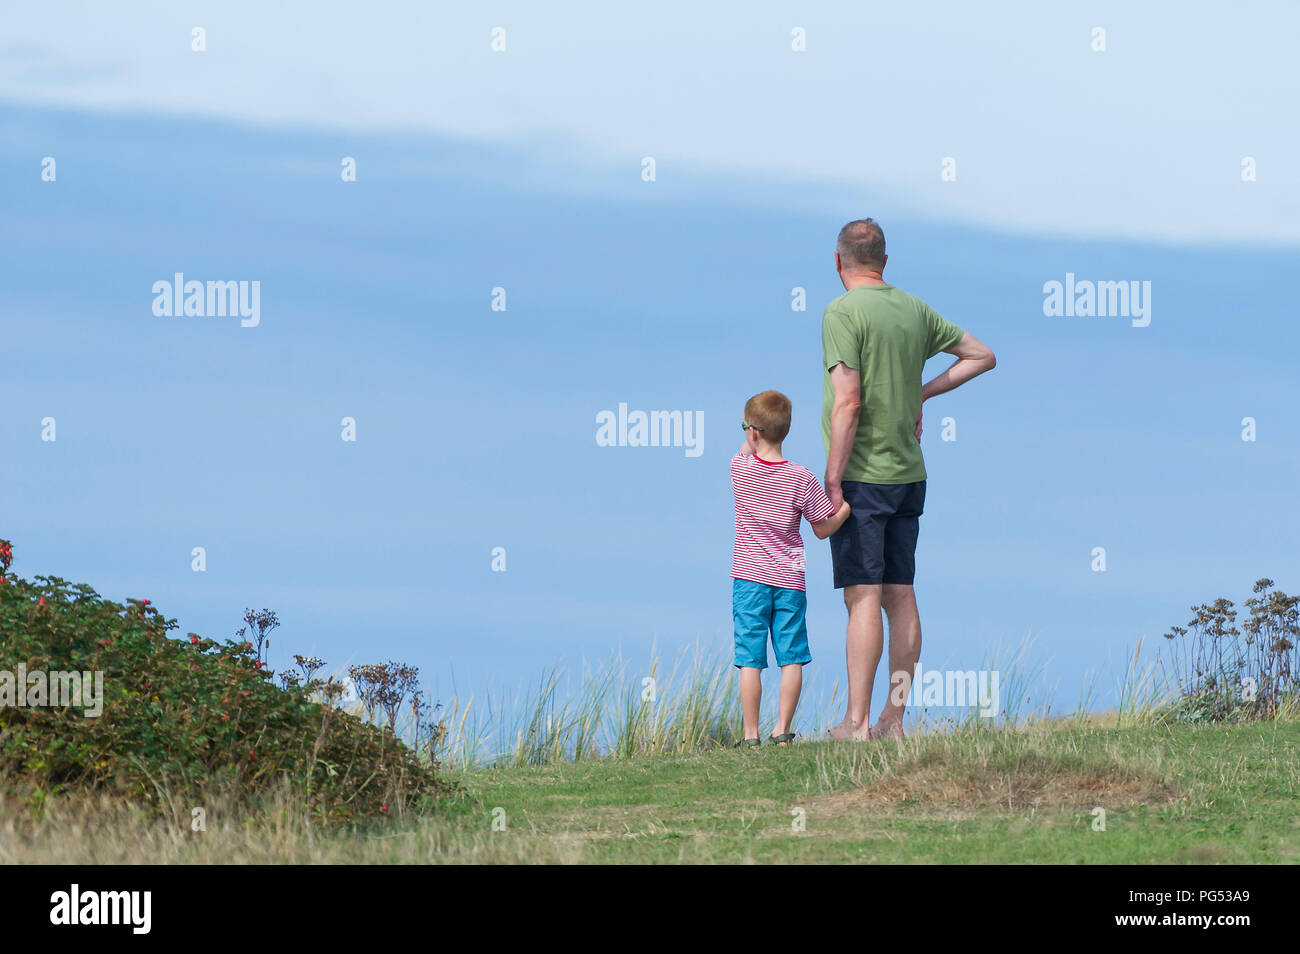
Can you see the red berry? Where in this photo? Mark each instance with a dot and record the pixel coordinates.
(41, 601)
(383, 808)
(194, 639)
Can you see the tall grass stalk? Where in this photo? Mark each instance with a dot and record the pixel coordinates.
(1140, 695)
(1020, 675)
(614, 709)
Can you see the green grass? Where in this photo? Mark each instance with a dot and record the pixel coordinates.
(1175, 794)
(1172, 794)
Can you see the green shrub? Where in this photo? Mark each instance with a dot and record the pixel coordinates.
(183, 719)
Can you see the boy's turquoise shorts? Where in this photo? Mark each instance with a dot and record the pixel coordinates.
(758, 608)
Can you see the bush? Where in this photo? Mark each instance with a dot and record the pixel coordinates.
(1224, 672)
(183, 718)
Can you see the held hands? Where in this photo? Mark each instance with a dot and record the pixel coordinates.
(832, 523)
(836, 493)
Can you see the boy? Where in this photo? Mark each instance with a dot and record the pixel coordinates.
(767, 590)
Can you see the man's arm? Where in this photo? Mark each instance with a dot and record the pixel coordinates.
(973, 359)
(847, 385)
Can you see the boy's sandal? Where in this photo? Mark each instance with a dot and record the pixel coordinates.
(784, 738)
(748, 744)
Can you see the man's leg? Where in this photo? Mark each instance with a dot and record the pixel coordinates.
(862, 653)
(857, 555)
(899, 601)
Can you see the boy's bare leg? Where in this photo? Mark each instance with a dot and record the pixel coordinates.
(751, 694)
(791, 686)
(862, 648)
(899, 601)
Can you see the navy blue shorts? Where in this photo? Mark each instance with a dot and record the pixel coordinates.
(877, 544)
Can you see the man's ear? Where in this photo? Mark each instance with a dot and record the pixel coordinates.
(884, 260)
(838, 267)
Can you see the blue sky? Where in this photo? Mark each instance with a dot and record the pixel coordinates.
(476, 428)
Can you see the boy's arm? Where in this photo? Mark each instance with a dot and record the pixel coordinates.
(816, 501)
(748, 448)
(825, 528)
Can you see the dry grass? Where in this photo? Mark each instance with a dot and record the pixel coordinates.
(1033, 790)
(1004, 771)
(103, 831)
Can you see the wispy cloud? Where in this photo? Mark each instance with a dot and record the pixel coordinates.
(1045, 132)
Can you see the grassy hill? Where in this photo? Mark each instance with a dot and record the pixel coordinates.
(189, 752)
(1174, 794)
(98, 702)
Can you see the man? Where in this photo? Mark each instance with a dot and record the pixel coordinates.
(875, 341)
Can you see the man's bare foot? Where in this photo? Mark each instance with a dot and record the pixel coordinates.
(844, 731)
(887, 730)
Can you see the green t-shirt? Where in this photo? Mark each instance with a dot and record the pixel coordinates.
(887, 335)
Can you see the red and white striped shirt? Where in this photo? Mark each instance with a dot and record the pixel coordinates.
(770, 498)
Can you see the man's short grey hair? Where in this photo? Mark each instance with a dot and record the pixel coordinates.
(862, 244)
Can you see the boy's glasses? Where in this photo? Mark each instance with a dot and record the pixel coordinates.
(745, 427)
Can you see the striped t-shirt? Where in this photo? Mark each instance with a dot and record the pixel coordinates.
(770, 498)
